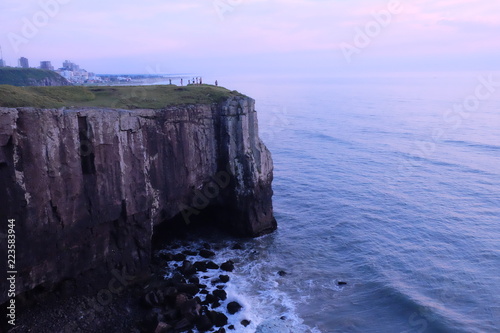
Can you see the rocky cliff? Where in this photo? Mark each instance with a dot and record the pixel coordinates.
(88, 187)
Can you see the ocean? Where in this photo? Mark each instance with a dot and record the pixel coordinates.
(389, 184)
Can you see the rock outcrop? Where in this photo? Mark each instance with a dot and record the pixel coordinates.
(88, 187)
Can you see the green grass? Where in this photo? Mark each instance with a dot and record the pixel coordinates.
(124, 97)
(24, 76)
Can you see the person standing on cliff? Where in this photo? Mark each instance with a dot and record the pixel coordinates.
(216, 83)
(181, 82)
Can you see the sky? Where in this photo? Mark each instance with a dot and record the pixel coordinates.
(253, 36)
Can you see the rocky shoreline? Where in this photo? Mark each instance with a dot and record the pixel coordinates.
(177, 298)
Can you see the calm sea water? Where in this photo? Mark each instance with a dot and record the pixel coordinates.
(381, 184)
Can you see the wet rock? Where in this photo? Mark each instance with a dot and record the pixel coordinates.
(166, 256)
(177, 278)
(220, 294)
(341, 283)
(180, 299)
(224, 278)
(203, 292)
(203, 323)
(233, 307)
(189, 253)
(188, 288)
(210, 299)
(207, 246)
(212, 265)
(187, 268)
(231, 327)
(218, 319)
(215, 304)
(162, 327)
(200, 266)
(221, 330)
(183, 325)
(190, 309)
(237, 246)
(179, 257)
(245, 322)
(228, 266)
(194, 279)
(282, 273)
(207, 254)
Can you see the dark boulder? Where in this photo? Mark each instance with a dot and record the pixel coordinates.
(203, 323)
(212, 265)
(207, 254)
(187, 268)
(183, 325)
(179, 257)
(209, 299)
(237, 246)
(220, 294)
(188, 288)
(233, 307)
(218, 319)
(245, 322)
(201, 266)
(228, 266)
(224, 278)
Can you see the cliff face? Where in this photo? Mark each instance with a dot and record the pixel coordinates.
(88, 187)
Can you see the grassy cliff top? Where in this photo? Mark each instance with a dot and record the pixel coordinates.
(27, 76)
(123, 97)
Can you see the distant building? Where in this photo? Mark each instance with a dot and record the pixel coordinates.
(46, 65)
(23, 62)
(69, 66)
(2, 63)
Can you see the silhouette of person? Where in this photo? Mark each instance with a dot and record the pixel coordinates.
(216, 83)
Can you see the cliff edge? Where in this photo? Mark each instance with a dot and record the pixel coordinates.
(89, 187)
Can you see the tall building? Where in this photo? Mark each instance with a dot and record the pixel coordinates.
(46, 65)
(69, 66)
(23, 62)
(2, 62)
